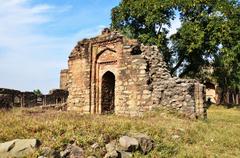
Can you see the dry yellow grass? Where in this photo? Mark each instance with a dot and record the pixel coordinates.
(219, 136)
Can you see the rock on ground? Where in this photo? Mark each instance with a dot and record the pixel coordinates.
(145, 142)
(18, 148)
(76, 152)
(112, 154)
(125, 154)
(49, 153)
(128, 143)
(111, 146)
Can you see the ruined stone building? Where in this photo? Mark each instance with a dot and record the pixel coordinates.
(216, 95)
(113, 74)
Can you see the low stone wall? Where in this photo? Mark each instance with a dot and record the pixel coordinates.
(13, 98)
(7, 97)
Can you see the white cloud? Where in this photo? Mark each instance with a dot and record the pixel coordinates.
(41, 9)
(30, 59)
(18, 22)
(11, 2)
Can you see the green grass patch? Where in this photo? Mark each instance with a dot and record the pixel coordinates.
(219, 136)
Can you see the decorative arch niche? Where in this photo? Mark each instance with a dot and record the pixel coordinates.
(106, 55)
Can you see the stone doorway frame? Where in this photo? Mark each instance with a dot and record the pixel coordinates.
(99, 68)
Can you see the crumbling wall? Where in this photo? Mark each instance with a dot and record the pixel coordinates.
(134, 95)
(79, 78)
(146, 83)
(171, 92)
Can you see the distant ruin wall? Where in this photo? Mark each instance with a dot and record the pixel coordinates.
(13, 98)
(9, 98)
(64, 79)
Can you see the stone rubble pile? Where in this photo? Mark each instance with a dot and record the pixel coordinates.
(124, 147)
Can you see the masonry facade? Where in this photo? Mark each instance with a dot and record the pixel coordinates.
(113, 74)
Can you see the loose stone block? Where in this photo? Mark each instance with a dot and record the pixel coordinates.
(129, 143)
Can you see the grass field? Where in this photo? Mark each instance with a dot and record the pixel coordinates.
(219, 136)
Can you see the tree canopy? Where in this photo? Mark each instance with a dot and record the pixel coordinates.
(209, 36)
(37, 92)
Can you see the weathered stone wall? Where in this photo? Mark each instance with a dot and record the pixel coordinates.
(56, 96)
(79, 78)
(13, 98)
(171, 92)
(64, 79)
(29, 99)
(142, 80)
(7, 97)
(200, 98)
(133, 93)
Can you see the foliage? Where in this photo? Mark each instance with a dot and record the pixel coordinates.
(208, 37)
(145, 20)
(37, 92)
(227, 62)
(217, 137)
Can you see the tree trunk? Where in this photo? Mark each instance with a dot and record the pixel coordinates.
(237, 99)
(177, 65)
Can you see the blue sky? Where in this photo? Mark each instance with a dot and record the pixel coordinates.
(36, 37)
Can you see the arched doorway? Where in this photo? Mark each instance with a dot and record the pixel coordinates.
(108, 93)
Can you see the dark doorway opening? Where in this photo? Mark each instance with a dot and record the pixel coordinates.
(59, 100)
(108, 93)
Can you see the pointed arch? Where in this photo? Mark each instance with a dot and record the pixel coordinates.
(108, 93)
(104, 50)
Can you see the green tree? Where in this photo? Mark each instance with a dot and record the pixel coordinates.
(37, 92)
(208, 37)
(227, 61)
(205, 25)
(145, 20)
